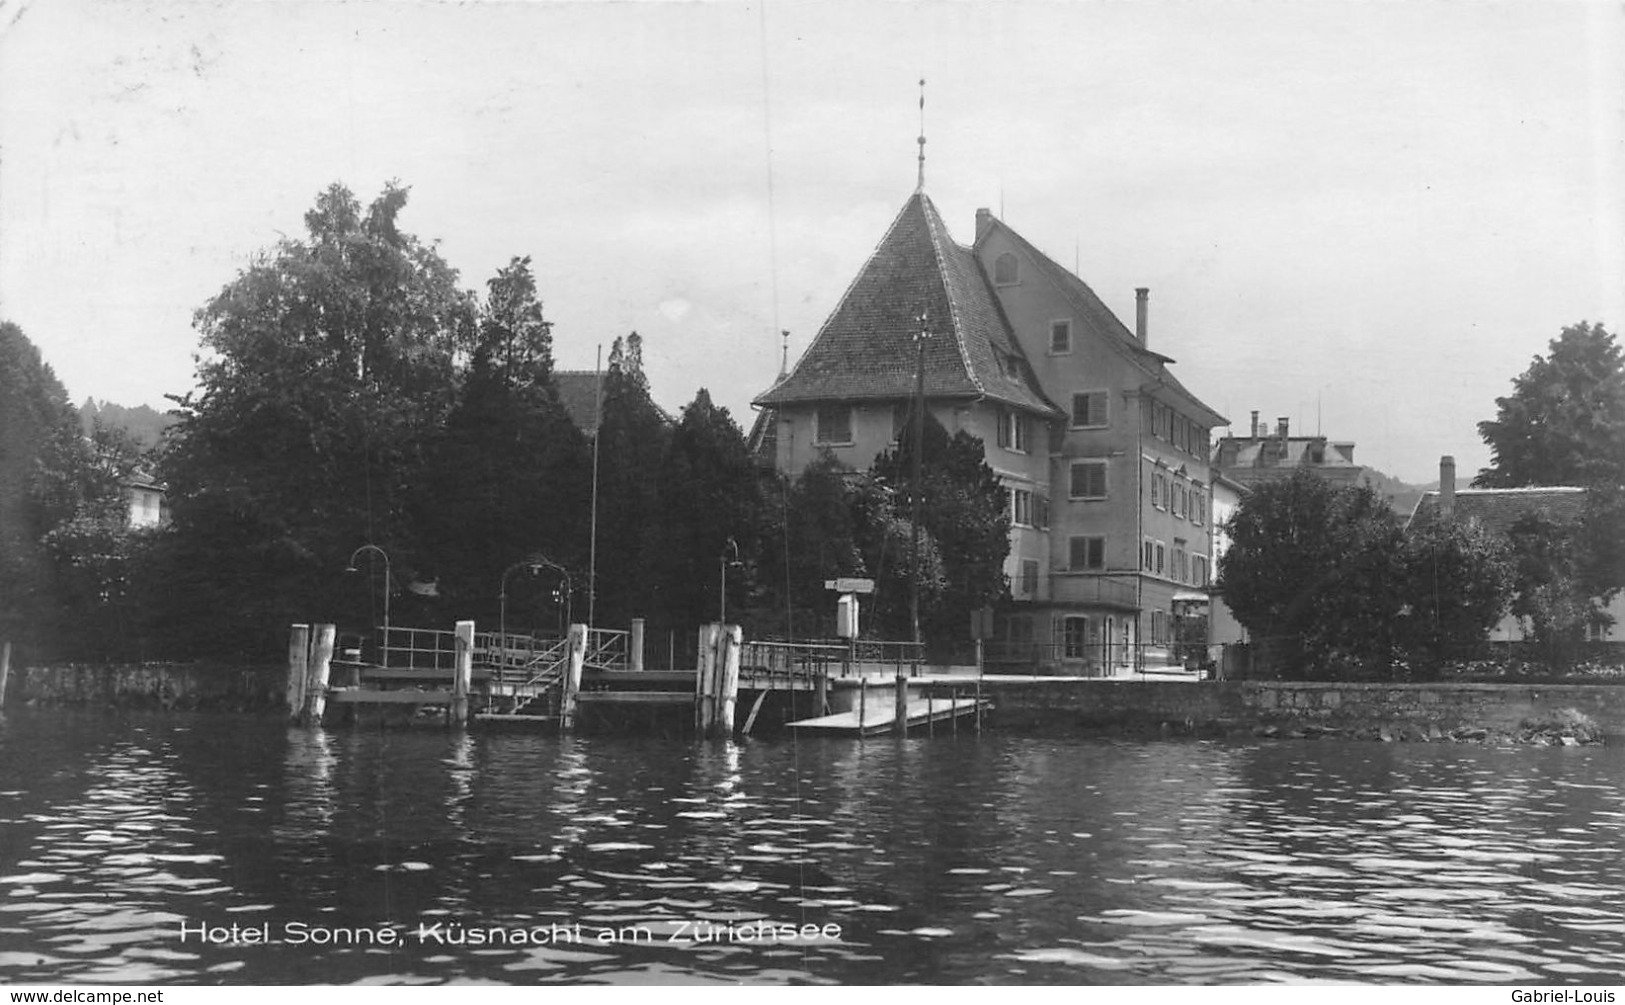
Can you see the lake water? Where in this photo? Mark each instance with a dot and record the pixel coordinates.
(998, 859)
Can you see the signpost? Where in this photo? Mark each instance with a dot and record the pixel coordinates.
(846, 620)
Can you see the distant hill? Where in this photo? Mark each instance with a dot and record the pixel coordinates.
(144, 424)
(1401, 495)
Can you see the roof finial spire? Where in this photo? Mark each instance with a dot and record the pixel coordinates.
(920, 186)
(784, 358)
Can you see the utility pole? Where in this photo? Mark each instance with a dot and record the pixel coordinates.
(919, 449)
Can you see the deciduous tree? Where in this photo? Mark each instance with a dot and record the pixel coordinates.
(327, 366)
(1564, 423)
(1314, 572)
(43, 464)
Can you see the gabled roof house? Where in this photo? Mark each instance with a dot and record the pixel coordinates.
(1104, 453)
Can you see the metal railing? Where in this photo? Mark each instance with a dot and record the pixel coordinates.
(834, 657)
(608, 649)
(1092, 659)
(417, 648)
(512, 659)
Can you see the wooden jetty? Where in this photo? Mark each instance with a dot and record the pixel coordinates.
(596, 677)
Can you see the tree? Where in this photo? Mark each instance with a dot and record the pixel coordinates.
(1565, 571)
(1314, 573)
(96, 551)
(510, 473)
(43, 464)
(327, 368)
(964, 519)
(1547, 590)
(1564, 423)
(632, 438)
(709, 508)
(1458, 583)
(1330, 585)
(808, 534)
(514, 340)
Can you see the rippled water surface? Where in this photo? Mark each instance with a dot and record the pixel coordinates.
(996, 859)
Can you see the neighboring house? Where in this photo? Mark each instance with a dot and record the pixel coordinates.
(1496, 510)
(1103, 453)
(147, 502)
(580, 392)
(1263, 456)
(1223, 628)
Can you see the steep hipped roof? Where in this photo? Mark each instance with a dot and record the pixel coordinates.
(1496, 510)
(866, 350)
(1097, 316)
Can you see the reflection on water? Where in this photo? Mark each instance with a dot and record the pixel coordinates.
(998, 860)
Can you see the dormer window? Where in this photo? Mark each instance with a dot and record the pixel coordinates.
(1005, 272)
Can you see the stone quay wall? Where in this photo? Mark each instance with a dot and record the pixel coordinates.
(151, 685)
(1275, 708)
(1375, 711)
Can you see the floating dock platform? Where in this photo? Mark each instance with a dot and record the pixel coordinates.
(881, 716)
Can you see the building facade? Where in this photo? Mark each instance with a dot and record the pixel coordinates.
(1267, 455)
(1103, 453)
(148, 505)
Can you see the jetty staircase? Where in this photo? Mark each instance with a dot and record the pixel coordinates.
(514, 676)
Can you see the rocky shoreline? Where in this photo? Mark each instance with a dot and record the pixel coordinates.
(1575, 730)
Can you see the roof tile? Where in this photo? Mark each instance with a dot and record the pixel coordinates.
(867, 349)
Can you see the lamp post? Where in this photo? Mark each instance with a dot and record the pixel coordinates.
(535, 563)
(383, 650)
(722, 592)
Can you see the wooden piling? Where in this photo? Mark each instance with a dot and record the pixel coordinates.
(321, 668)
(980, 669)
(572, 677)
(635, 644)
(821, 696)
(863, 702)
(900, 703)
(930, 724)
(953, 720)
(705, 684)
(298, 669)
(5, 670)
(731, 640)
(462, 680)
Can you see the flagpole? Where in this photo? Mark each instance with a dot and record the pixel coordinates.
(597, 427)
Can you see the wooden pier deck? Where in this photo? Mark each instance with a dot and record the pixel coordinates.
(881, 716)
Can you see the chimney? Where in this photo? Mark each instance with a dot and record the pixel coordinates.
(1252, 428)
(1280, 427)
(984, 220)
(1141, 295)
(1447, 487)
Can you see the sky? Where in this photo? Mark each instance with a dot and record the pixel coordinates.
(1365, 216)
